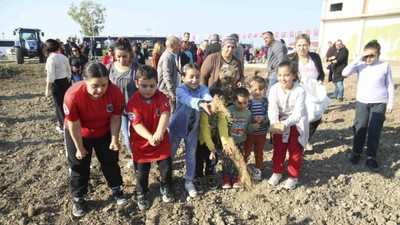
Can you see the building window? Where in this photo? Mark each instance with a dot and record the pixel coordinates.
(336, 7)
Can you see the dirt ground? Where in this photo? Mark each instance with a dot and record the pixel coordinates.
(34, 173)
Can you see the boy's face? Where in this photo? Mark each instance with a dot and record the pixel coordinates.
(146, 88)
(241, 103)
(257, 90)
(192, 79)
(285, 77)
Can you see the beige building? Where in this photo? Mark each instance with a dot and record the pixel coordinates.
(356, 22)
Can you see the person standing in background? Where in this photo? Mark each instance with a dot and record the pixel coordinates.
(275, 55)
(338, 62)
(58, 78)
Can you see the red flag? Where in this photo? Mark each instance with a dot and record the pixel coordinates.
(316, 31)
(249, 36)
(276, 34)
(299, 32)
(283, 34)
(209, 36)
(255, 35)
(291, 33)
(244, 35)
(308, 32)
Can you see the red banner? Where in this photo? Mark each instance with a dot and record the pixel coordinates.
(316, 31)
(308, 32)
(244, 36)
(276, 34)
(249, 35)
(291, 33)
(255, 35)
(299, 33)
(283, 34)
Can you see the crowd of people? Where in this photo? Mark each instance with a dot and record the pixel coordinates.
(156, 106)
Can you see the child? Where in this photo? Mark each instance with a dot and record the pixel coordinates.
(213, 134)
(259, 115)
(191, 98)
(239, 125)
(375, 96)
(148, 111)
(289, 124)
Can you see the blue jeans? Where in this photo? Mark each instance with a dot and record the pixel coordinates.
(125, 132)
(369, 119)
(272, 80)
(76, 77)
(190, 151)
(339, 90)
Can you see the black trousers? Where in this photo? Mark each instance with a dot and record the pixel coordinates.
(80, 169)
(313, 127)
(60, 86)
(142, 174)
(203, 156)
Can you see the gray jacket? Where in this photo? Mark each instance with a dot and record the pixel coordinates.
(276, 54)
(168, 74)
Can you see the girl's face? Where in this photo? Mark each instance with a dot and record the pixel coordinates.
(123, 57)
(192, 78)
(285, 77)
(146, 88)
(75, 51)
(370, 55)
(302, 47)
(96, 86)
(256, 90)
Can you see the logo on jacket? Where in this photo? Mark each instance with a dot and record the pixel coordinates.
(66, 110)
(158, 112)
(131, 116)
(110, 108)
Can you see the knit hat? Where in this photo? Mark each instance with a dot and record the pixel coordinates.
(228, 40)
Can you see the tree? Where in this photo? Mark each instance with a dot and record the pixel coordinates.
(90, 16)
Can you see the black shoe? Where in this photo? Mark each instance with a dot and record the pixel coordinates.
(79, 207)
(372, 164)
(211, 182)
(119, 197)
(167, 195)
(142, 201)
(340, 99)
(354, 158)
(198, 184)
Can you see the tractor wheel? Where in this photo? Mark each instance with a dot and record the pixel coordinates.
(42, 59)
(19, 56)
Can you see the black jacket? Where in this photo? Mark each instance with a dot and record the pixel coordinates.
(342, 56)
(315, 58)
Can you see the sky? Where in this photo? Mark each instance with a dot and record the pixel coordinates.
(164, 17)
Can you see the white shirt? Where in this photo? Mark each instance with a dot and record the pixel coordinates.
(57, 67)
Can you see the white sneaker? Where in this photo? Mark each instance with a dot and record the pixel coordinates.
(291, 183)
(256, 174)
(130, 165)
(59, 130)
(190, 189)
(275, 178)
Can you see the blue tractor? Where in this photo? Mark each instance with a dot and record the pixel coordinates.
(28, 44)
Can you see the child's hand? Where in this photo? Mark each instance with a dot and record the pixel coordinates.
(256, 126)
(153, 142)
(115, 146)
(277, 128)
(158, 137)
(207, 107)
(212, 155)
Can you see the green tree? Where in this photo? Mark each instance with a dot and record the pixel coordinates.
(90, 16)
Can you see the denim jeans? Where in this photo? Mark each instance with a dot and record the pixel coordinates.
(339, 90)
(271, 81)
(125, 132)
(76, 77)
(369, 119)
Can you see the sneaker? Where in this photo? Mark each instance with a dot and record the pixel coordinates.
(211, 182)
(340, 99)
(309, 147)
(291, 183)
(142, 201)
(354, 158)
(130, 165)
(226, 181)
(59, 130)
(275, 178)
(236, 182)
(79, 207)
(167, 195)
(190, 189)
(372, 164)
(198, 184)
(256, 174)
(119, 197)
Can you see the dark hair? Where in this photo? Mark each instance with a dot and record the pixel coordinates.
(261, 81)
(293, 68)
(95, 70)
(242, 92)
(373, 44)
(146, 72)
(186, 33)
(269, 32)
(216, 91)
(189, 66)
(124, 44)
(50, 46)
